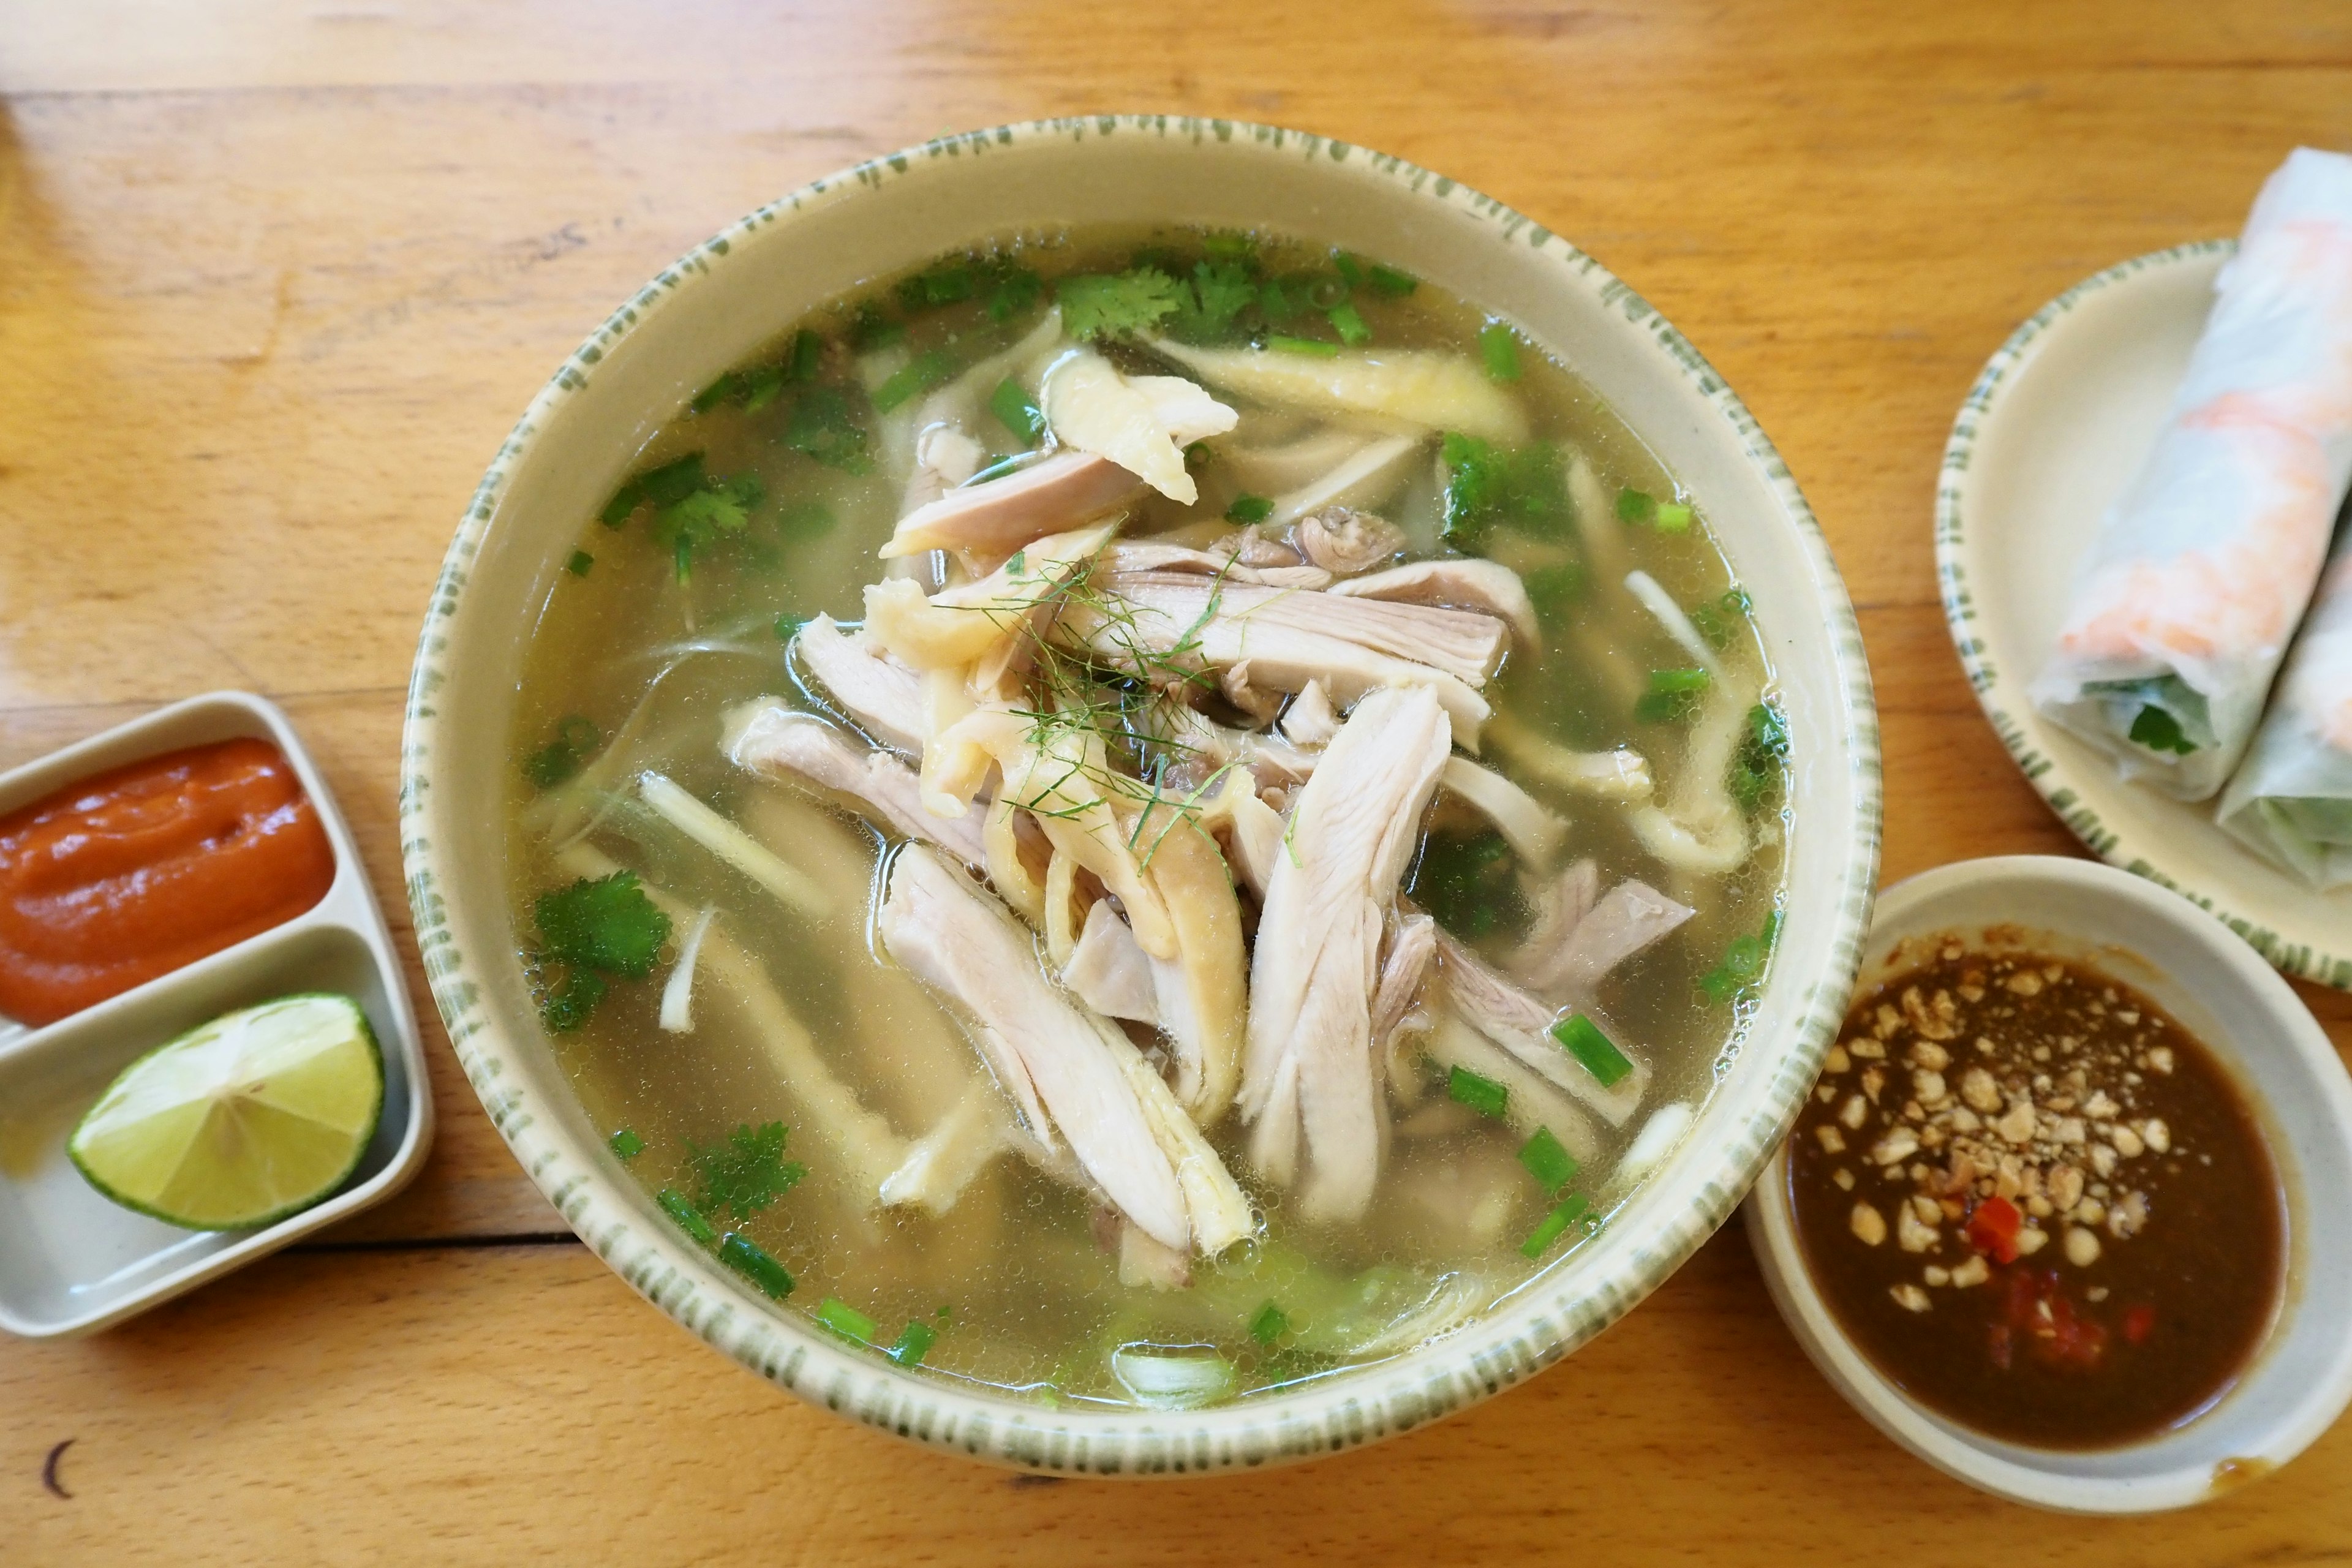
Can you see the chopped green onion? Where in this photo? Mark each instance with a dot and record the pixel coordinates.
(2160, 732)
(915, 1342)
(762, 387)
(718, 391)
(1540, 1240)
(1269, 1325)
(872, 330)
(1388, 280)
(683, 553)
(1016, 410)
(1312, 347)
(846, 1321)
(807, 351)
(1635, 506)
(1598, 1055)
(1016, 290)
(1325, 292)
(1500, 349)
(1349, 268)
(1743, 962)
(1483, 1095)
(580, 562)
(1229, 246)
(689, 1220)
(1679, 680)
(740, 1255)
(1250, 508)
(917, 377)
(788, 627)
(1673, 516)
(1546, 1161)
(627, 1144)
(1350, 325)
(623, 502)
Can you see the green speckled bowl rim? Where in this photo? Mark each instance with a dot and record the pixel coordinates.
(2018, 730)
(1542, 1325)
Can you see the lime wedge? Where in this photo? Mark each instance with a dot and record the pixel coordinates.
(241, 1121)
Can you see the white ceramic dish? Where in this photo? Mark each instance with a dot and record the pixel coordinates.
(717, 304)
(72, 1262)
(2216, 988)
(2055, 428)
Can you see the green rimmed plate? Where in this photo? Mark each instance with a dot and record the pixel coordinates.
(2054, 428)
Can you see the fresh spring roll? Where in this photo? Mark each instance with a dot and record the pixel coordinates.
(2193, 588)
(2292, 798)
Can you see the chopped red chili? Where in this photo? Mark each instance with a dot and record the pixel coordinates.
(2139, 1323)
(1993, 1227)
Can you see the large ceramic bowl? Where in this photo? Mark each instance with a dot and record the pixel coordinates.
(717, 304)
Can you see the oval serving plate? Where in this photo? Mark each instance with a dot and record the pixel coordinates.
(2056, 425)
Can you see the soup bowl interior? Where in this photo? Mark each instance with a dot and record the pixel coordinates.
(716, 305)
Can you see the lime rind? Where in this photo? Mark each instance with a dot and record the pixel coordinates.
(162, 1142)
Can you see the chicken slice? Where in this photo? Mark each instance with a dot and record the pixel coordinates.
(1308, 1067)
(1627, 919)
(1462, 584)
(1141, 424)
(1521, 1024)
(1078, 1067)
(884, 696)
(1164, 625)
(1051, 495)
(765, 737)
(1110, 970)
(1203, 992)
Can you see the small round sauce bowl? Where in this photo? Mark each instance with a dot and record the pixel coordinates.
(2299, 1377)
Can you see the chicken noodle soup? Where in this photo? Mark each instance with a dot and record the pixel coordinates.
(1139, 816)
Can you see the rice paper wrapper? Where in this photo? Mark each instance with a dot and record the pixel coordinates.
(2200, 574)
(2292, 800)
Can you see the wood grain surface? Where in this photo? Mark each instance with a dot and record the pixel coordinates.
(275, 277)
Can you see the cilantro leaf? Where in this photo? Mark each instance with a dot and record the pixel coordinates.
(607, 923)
(1757, 766)
(567, 1006)
(1219, 293)
(1099, 305)
(745, 1173)
(823, 425)
(1524, 487)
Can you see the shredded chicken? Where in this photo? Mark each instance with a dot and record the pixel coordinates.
(764, 737)
(1521, 1024)
(1461, 582)
(998, 518)
(1630, 917)
(884, 696)
(1310, 1069)
(1063, 1066)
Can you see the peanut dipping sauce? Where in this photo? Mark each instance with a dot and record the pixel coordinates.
(133, 873)
(2035, 1203)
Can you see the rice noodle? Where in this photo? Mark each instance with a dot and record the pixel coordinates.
(677, 991)
(793, 888)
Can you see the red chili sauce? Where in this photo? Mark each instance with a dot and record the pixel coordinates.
(117, 879)
(2036, 1202)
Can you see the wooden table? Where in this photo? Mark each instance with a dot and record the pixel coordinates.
(277, 276)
